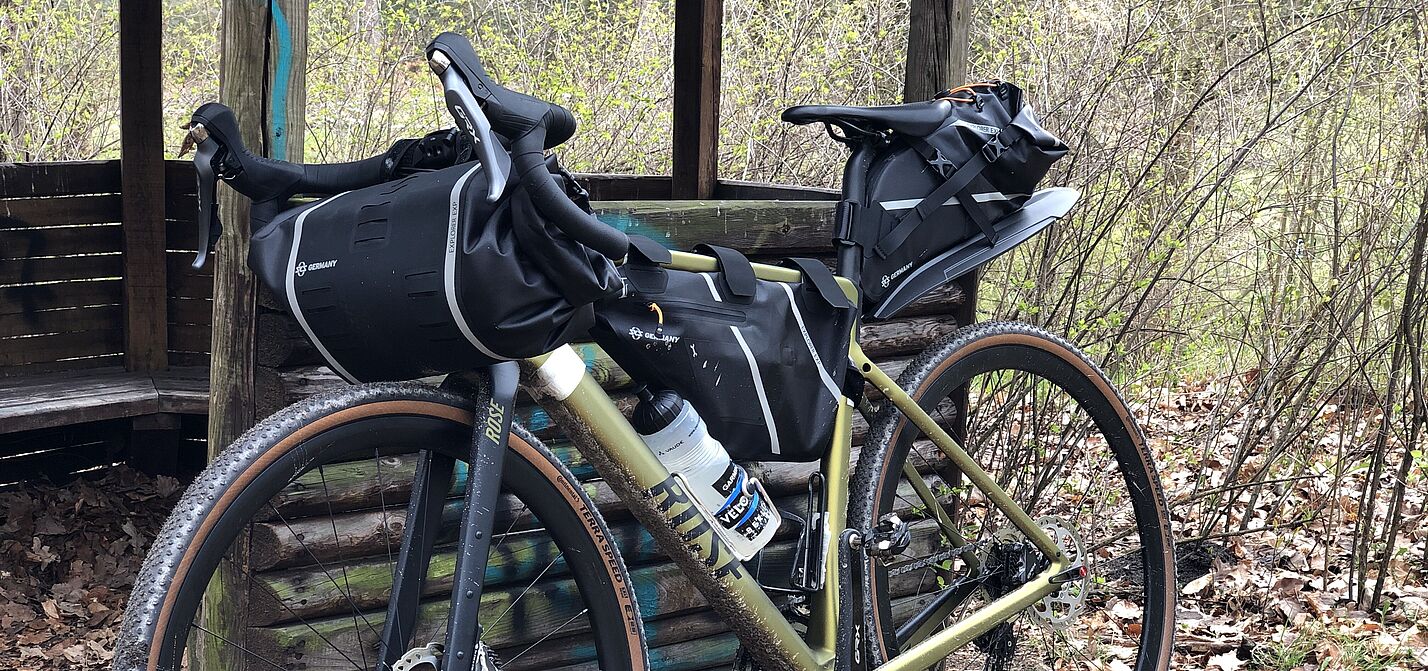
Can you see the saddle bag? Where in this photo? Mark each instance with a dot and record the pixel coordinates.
(422, 276)
(762, 361)
(926, 195)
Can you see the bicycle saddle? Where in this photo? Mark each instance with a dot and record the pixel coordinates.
(913, 119)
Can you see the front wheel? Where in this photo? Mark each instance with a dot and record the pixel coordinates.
(1050, 429)
(281, 554)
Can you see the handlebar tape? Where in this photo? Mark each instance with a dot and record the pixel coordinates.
(528, 157)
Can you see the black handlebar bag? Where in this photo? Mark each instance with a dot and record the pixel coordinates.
(422, 276)
(928, 194)
(761, 361)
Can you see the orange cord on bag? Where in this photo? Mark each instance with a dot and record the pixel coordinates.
(970, 88)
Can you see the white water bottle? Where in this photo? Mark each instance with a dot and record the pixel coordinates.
(736, 504)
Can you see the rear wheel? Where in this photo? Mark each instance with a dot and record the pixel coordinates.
(1053, 433)
(281, 555)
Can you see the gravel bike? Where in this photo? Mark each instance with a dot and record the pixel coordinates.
(409, 526)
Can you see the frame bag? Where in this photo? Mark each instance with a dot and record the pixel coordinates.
(762, 361)
(926, 195)
(422, 276)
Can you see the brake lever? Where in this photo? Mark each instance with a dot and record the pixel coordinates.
(472, 119)
(209, 227)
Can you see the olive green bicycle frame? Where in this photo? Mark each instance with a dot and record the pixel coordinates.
(598, 416)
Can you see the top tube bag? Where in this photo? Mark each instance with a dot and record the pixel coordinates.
(762, 361)
(926, 195)
(422, 276)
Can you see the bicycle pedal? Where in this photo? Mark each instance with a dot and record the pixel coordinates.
(889, 538)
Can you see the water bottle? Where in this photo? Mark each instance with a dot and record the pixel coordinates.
(738, 507)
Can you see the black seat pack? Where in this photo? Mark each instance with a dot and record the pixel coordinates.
(930, 192)
(761, 361)
(422, 276)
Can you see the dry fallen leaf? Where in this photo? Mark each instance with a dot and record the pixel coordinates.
(1226, 661)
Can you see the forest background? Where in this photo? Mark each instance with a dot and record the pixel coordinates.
(1247, 259)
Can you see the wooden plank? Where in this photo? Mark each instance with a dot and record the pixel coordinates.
(44, 348)
(31, 402)
(19, 243)
(767, 227)
(66, 365)
(738, 189)
(27, 271)
(698, 45)
(903, 336)
(625, 187)
(61, 321)
(35, 297)
(25, 212)
(186, 282)
(59, 178)
(189, 337)
(182, 389)
(180, 177)
(141, 148)
(181, 200)
(179, 232)
(190, 311)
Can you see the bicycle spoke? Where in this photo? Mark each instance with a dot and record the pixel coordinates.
(547, 636)
(527, 590)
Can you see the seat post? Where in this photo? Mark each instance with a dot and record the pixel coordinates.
(855, 174)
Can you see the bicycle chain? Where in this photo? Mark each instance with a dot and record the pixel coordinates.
(939, 557)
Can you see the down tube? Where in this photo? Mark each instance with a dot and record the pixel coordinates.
(582, 409)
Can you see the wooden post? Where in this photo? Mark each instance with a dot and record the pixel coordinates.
(287, 80)
(141, 151)
(698, 42)
(937, 37)
(263, 49)
(242, 74)
(261, 76)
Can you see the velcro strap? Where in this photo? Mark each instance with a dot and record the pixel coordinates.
(818, 275)
(738, 273)
(646, 250)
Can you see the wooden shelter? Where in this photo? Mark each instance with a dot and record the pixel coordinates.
(112, 348)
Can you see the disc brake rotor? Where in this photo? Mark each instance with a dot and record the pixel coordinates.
(1060, 608)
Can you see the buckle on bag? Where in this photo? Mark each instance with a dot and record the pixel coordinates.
(994, 148)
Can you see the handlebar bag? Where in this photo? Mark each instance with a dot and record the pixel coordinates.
(926, 195)
(761, 361)
(421, 276)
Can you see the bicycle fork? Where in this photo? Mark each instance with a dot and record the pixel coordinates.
(496, 405)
